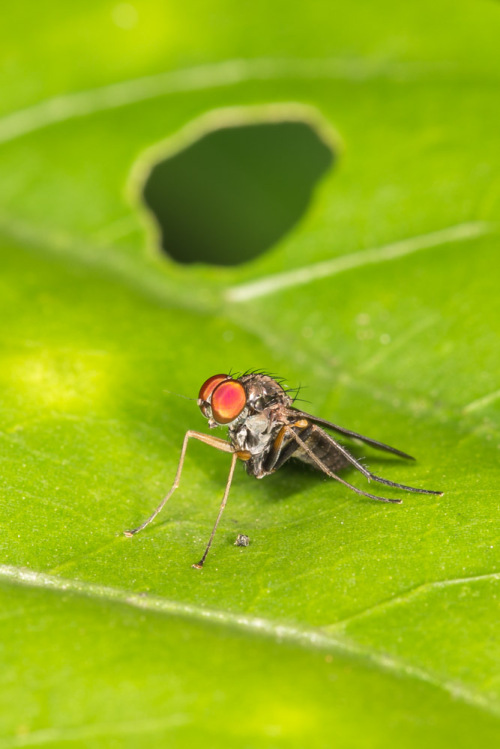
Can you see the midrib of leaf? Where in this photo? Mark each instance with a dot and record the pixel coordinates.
(322, 639)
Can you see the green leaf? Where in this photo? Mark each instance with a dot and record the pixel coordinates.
(346, 622)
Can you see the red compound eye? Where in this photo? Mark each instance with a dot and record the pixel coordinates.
(228, 401)
(209, 386)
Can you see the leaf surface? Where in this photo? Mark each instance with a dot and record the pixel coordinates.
(345, 621)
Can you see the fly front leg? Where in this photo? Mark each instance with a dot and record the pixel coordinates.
(200, 564)
(238, 454)
(208, 440)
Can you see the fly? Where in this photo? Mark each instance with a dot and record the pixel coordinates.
(265, 430)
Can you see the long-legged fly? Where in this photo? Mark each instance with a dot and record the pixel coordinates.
(266, 430)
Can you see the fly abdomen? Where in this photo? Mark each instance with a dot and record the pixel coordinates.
(318, 442)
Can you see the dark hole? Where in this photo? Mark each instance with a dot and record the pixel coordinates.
(236, 191)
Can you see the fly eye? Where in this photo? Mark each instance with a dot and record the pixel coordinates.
(207, 389)
(228, 401)
(209, 386)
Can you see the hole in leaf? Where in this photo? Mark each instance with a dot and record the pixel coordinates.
(234, 192)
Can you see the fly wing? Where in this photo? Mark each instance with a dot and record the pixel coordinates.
(353, 435)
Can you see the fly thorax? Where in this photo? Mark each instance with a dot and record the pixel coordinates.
(254, 435)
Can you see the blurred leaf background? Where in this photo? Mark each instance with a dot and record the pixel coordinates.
(346, 622)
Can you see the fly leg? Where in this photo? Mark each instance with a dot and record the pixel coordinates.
(208, 440)
(303, 424)
(237, 454)
(368, 474)
(200, 564)
(282, 451)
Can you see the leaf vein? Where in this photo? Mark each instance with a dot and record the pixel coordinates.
(65, 107)
(302, 637)
(328, 268)
(409, 595)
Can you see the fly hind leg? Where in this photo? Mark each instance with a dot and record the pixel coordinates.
(302, 441)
